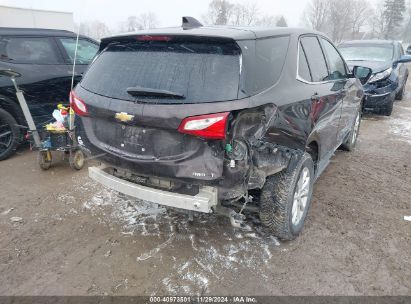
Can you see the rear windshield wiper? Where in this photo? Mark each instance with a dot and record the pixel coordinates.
(141, 91)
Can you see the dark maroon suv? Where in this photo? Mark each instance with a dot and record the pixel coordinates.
(224, 120)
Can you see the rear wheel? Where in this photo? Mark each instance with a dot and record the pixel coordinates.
(77, 159)
(9, 134)
(286, 198)
(45, 159)
(351, 141)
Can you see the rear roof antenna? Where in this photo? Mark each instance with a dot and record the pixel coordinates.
(190, 22)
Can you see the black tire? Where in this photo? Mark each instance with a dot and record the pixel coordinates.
(9, 135)
(277, 199)
(77, 159)
(45, 160)
(400, 94)
(351, 141)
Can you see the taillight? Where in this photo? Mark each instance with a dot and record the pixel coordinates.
(153, 38)
(78, 105)
(212, 126)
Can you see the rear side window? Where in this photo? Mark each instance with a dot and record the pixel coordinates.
(86, 50)
(315, 58)
(201, 71)
(270, 56)
(34, 50)
(303, 68)
(335, 62)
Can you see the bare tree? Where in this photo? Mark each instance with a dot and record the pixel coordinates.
(339, 19)
(219, 12)
(359, 15)
(316, 14)
(393, 14)
(267, 21)
(376, 22)
(244, 14)
(132, 24)
(147, 21)
(281, 22)
(95, 29)
(406, 32)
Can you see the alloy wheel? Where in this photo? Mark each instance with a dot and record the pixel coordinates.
(300, 201)
(355, 129)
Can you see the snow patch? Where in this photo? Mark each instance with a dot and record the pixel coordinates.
(201, 253)
(401, 126)
(7, 211)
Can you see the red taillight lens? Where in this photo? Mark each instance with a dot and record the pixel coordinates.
(153, 38)
(212, 126)
(78, 105)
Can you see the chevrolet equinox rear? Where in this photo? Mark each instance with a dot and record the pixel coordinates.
(218, 119)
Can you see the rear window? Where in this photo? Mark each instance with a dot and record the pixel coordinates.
(86, 50)
(263, 68)
(201, 72)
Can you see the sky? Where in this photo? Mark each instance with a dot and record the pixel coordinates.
(168, 12)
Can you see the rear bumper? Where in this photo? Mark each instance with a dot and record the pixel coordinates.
(204, 201)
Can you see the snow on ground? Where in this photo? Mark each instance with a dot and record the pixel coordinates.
(193, 249)
(401, 125)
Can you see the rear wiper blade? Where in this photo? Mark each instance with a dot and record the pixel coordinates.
(141, 91)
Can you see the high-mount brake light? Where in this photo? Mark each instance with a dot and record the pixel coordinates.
(153, 38)
(78, 105)
(210, 126)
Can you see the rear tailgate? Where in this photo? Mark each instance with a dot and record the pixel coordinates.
(140, 132)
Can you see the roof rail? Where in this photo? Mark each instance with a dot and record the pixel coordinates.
(190, 22)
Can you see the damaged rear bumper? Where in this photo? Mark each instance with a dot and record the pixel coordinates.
(204, 201)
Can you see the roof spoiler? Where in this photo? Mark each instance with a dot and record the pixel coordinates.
(190, 22)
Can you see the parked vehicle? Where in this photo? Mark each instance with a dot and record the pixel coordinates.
(390, 73)
(44, 58)
(214, 119)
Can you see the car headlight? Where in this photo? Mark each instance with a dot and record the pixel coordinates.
(380, 76)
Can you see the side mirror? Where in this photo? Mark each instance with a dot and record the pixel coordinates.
(362, 73)
(408, 51)
(403, 59)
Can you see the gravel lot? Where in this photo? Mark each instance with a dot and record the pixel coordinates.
(62, 234)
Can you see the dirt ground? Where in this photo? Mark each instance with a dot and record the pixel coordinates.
(62, 234)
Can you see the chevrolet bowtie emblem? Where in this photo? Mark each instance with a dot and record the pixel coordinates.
(123, 117)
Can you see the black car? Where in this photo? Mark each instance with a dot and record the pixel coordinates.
(215, 119)
(390, 73)
(44, 58)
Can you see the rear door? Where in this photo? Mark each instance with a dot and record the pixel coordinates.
(44, 75)
(326, 95)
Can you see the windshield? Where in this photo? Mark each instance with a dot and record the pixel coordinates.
(367, 52)
(199, 71)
